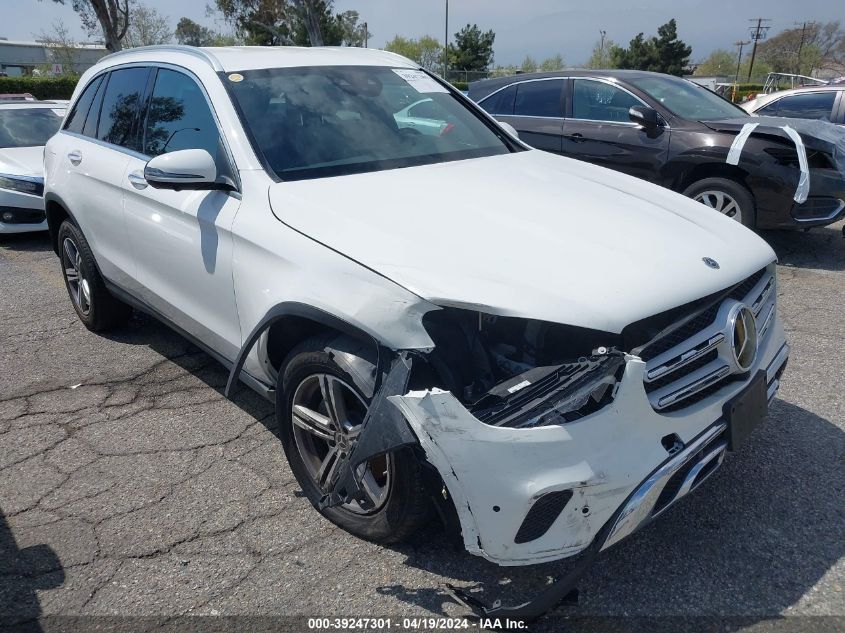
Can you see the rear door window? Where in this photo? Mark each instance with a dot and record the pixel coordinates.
(539, 98)
(76, 119)
(119, 112)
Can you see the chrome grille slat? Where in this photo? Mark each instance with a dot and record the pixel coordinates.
(677, 370)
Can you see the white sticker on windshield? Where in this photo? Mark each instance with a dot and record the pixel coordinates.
(419, 80)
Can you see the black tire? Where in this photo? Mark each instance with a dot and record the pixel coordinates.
(98, 309)
(407, 504)
(743, 197)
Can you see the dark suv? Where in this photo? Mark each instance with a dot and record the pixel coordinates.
(675, 133)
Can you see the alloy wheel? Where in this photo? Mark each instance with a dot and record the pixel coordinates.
(721, 202)
(327, 415)
(80, 289)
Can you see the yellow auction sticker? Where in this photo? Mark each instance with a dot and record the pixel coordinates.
(236, 77)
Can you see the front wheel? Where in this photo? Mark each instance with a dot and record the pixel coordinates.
(725, 196)
(320, 412)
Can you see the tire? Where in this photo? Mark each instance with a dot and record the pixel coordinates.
(714, 192)
(95, 306)
(405, 505)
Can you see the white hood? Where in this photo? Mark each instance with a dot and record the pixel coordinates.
(22, 161)
(529, 234)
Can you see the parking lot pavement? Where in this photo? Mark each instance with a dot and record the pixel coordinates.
(130, 486)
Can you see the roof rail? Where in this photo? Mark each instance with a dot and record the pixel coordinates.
(207, 57)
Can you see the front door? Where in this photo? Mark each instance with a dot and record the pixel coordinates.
(181, 240)
(600, 132)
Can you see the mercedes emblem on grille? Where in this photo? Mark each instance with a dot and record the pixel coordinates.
(712, 263)
(744, 336)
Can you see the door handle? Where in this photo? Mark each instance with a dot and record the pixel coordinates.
(577, 137)
(137, 180)
(75, 157)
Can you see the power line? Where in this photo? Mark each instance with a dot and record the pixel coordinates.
(757, 33)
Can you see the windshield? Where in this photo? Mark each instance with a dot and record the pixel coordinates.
(313, 122)
(28, 127)
(688, 100)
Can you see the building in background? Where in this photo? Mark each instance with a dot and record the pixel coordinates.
(19, 58)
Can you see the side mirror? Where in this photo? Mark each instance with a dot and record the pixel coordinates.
(509, 129)
(645, 116)
(183, 169)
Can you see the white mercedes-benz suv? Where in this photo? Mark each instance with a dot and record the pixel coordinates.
(553, 351)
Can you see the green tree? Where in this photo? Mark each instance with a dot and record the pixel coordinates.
(804, 49)
(672, 53)
(601, 57)
(147, 27)
(555, 62)
(260, 22)
(355, 32)
(529, 64)
(109, 17)
(720, 62)
(664, 53)
(472, 49)
(426, 51)
(192, 34)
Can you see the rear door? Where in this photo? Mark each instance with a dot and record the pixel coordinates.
(182, 240)
(534, 108)
(99, 138)
(599, 131)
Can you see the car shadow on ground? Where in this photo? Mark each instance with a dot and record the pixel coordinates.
(23, 572)
(32, 242)
(817, 249)
(751, 542)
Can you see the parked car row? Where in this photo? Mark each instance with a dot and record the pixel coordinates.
(25, 126)
(679, 135)
(445, 317)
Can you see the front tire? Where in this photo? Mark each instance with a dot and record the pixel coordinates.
(320, 410)
(725, 196)
(95, 306)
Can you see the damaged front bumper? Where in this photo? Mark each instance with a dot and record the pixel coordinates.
(606, 474)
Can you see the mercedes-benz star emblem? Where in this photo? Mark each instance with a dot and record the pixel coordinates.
(744, 337)
(710, 262)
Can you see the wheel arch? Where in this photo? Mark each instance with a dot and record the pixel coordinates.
(57, 212)
(694, 172)
(286, 324)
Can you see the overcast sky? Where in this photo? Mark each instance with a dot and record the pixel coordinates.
(539, 28)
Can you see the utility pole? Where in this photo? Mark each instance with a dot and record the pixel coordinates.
(366, 36)
(740, 43)
(446, 44)
(801, 45)
(757, 33)
(601, 48)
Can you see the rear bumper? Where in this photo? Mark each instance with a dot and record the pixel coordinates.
(612, 468)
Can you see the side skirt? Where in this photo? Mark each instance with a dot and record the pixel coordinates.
(268, 392)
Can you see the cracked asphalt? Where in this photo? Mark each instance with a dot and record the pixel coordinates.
(129, 486)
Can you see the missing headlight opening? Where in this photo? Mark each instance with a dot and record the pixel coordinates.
(522, 372)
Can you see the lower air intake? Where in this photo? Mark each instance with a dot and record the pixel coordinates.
(541, 515)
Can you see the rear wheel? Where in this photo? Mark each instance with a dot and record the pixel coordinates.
(98, 310)
(725, 196)
(320, 412)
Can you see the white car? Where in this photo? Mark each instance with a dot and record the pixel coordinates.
(24, 128)
(422, 117)
(826, 103)
(557, 351)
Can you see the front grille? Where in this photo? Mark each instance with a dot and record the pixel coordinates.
(695, 359)
(542, 514)
(20, 215)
